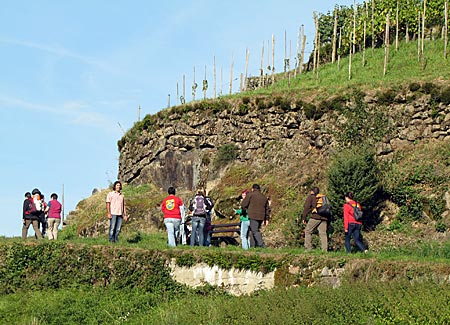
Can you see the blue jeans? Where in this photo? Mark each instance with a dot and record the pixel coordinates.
(245, 225)
(355, 230)
(198, 224)
(115, 223)
(173, 228)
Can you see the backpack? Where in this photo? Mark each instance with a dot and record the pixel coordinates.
(323, 207)
(357, 212)
(198, 205)
(31, 206)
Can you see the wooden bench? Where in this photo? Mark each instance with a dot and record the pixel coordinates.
(217, 231)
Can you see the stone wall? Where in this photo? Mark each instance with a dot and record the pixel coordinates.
(173, 153)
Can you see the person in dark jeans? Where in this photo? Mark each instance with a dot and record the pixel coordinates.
(352, 227)
(258, 209)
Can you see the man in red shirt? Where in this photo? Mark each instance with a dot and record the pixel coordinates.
(173, 209)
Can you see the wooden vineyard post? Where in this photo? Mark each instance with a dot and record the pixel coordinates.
(373, 26)
(386, 45)
(445, 28)
(231, 75)
(419, 35)
(261, 68)
(247, 56)
(302, 54)
(316, 25)
(396, 28)
(194, 87)
(339, 49)
(273, 59)
(215, 83)
(333, 53)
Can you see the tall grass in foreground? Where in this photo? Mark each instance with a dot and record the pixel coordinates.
(383, 303)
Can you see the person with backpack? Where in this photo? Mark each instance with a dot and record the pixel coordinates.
(117, 212)
(257, 206)
(173, 209)
(352, 222)
(199, 208)
(54, 217)
(318, 219)
(30, 217)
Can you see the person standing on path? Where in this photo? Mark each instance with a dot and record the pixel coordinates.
(173, 209)
(352, 227)
(245, 223)
(54, 217)
(115, 205)
(258, 209)
(30, 217)
(316, 221)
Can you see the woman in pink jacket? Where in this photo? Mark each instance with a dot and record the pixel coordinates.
(352, 227)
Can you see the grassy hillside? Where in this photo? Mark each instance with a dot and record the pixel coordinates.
(86, 280)
(411, 185)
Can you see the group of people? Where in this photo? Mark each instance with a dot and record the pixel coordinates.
(352, 226)
(200, 209)
(254, 212)
(44, 217)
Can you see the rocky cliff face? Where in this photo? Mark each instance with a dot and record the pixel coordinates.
(183, 143)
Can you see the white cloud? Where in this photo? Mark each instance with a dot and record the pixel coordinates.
(73, 111)
(60, 51)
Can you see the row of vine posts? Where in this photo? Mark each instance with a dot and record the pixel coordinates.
(344, 31)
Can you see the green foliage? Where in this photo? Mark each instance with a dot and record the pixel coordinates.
(354, 170)
(441, 227)
(384, 303)
(414, 86)
(243, 109)
(53, 265)
(246, 100)
(186, 260)
(386, 97)
(311, 111)
(226, 154)
(361, 125)
(445, 96)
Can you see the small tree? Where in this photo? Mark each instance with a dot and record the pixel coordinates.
(354, 170)
(225, 154)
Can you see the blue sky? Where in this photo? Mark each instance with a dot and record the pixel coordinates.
(73, 74)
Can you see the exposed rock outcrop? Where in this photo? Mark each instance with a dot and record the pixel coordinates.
(181, 143)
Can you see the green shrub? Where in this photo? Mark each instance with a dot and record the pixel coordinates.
(414, 86)
(311, 111)
(428, 87)
(445, 96)
(260, 103)
(246, 100)
(226, 154)
(243, 109)
(362, 124)
(354, 170)
(441, 226)
(386, 97)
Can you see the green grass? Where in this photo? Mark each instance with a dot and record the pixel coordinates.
(403, 67)
(383, 303)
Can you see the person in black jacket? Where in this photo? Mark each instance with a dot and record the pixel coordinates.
(29, 217)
